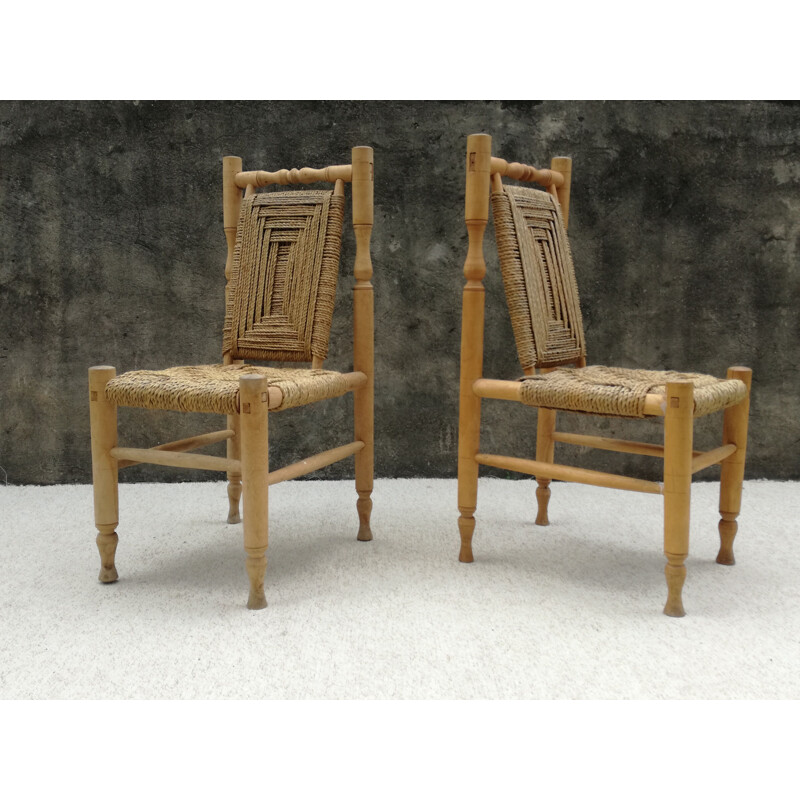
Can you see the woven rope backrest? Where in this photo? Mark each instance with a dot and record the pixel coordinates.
(539, 277)
(283, 276)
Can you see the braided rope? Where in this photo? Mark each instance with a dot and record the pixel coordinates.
(285, 266)
(620, 392)
(538, 276)
(214, 388)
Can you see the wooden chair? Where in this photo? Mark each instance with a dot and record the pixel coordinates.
(283, 259)
(530, 228)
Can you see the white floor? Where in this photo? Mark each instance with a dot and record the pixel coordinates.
(568, 611)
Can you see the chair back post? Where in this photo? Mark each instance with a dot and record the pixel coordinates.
(563, 165)
(476, 213)
(363, 329)
(231, 205)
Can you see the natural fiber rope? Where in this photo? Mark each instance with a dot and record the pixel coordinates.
(619, 392)
(214, 388)
(285, 266)
(539, 277)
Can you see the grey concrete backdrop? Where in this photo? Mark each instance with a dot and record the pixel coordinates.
(685, 226)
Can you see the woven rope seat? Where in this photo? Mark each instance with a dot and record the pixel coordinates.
(620, 392)
(214, 388)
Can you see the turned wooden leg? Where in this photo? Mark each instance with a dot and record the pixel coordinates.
(675, 572)
(363, 411)
(253, 418)
(466, 527)
(362, 185)
(468, 444)
(678, 435)
(545, 426)
(234, 478)
(476, 207)
(734, 431)
(364, 508)
(103, 424)
(469, 425)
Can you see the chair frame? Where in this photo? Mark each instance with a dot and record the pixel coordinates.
(484, 173)
(246, 433)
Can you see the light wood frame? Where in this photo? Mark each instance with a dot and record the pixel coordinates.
(484, 174)
(246, 433)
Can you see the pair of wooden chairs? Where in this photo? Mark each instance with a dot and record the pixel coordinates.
(283, 254)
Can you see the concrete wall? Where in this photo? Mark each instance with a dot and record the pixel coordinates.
(685, 225)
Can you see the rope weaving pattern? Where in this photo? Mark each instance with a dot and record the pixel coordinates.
(283, 276)
(539, 277)
(620, 392)
(214, 388)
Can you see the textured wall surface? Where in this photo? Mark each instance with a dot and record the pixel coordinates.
(685, 228)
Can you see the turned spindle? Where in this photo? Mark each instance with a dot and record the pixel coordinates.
(234, 478)
(545, 447)
(479, 154)
(103, 424)
(734, 431)
(363, 334)
(678, 435)
(254, 419)
(231, 205)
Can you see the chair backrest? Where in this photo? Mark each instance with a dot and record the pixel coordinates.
(538, 276)
(534, 254)
(283, 278)
(283, 261)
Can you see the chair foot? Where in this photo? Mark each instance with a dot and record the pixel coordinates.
(542, 499)
(107, 545)
(727, 532)
(234, 493)
(364, 508)
(676, 575)
(256, 568)
(466, 527)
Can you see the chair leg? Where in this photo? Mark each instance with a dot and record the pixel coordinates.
(253, 418)
(545, 427)
(103, 423)
(234, 478)
(364, 462)
(678, 435)
(468, 443)
(734, 431)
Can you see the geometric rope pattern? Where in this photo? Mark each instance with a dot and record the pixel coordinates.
(285, 265)
(539, 277)
(620, 392)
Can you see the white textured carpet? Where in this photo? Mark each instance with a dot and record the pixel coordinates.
(568, 611)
